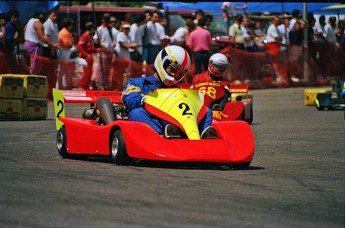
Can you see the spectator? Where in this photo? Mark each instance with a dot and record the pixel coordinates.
(273, 36)
(34, 35)
(2, 31)
(322, 46)
(296, 15)
(154, 42)
(199, 15)
(180, 36)
(340, 32)
(86, 49)
(251, 31)
(65, 40)
(296, 34)
(260, 28)
(148, 15)
(273, 45)
(171, 66)
(216, 68)
(104, 38)
(312, 46)
(340, 35)
(330, 29)
(248, 35)
(162, 22)
(229, 10)
(200, 41)
(51, 32)
(208, 21)
(295, 51)
(332, 55)
(319, 29)
(284, 31)
(137, 33)
(114, 30)
(236, 34)
(11, 34)
(125, 44)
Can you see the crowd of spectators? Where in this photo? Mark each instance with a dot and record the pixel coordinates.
(141, 41)
(284, 38)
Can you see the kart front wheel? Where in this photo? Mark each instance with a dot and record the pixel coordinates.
(61, 142)
(118, 151)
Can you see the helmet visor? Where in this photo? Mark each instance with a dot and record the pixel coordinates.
(218, 67)
(176, 70)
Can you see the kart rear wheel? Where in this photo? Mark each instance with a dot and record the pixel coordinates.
(241, 165)
(250, 120)
(118, 151)
(61, 143)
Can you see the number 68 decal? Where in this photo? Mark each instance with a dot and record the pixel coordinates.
(210, 91)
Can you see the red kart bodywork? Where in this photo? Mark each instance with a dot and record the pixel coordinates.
(235, 142)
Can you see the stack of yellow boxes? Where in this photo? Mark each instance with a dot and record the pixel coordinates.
(23, 97)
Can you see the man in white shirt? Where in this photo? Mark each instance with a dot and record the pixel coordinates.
(154, 42)
(296, 15)
(274, 39)
(284, 31)
(161, 31)
(137, 32)
(51, 32)
(104, 38)
(229, 10)
(247, 35)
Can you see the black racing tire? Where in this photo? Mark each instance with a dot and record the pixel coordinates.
(118, 151)
(250, 120)
(61, 143)
(106, 109)
(320, 108)
(241, 165)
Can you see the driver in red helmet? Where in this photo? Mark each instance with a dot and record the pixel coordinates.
(217, 65)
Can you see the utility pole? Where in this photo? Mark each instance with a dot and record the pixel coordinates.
(306, 71)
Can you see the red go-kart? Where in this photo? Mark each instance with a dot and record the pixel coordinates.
(111, 134)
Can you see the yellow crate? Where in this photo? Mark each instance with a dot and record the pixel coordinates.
(35, 86)
(11, 86)
(310, 94)
(11, 109)
(35, 108)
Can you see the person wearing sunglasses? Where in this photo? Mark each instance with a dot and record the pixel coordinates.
(170, 66)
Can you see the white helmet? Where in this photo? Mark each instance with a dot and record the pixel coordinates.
(179, 61)
(217, 64)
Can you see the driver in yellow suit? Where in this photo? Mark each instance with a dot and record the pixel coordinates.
(171, 66)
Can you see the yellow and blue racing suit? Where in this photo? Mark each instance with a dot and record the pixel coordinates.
(132, 94)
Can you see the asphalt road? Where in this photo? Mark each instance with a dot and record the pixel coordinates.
(295, 180)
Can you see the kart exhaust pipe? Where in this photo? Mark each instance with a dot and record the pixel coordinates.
(106, 110)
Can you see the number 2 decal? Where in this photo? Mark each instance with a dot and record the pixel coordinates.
(186, 109)
(61, 109)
